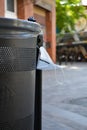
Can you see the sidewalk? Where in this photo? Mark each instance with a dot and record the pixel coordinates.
(64, 104)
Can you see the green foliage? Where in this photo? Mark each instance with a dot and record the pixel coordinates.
(67, 12)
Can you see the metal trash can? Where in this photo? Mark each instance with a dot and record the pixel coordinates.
(18, 41)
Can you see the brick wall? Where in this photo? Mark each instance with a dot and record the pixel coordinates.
(51, 33)
(2, 8)
(26, 8)
(48, 20)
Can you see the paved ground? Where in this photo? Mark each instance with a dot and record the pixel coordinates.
(64, 94)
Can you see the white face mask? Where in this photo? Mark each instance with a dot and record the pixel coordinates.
(45, 62)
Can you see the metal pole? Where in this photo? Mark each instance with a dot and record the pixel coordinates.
(38, 101)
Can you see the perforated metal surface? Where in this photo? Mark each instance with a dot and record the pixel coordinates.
(17, 59)
(18, 41)
(17, 82)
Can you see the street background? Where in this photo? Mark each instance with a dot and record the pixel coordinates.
(64, 97)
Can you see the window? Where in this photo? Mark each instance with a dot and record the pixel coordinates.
(11, 8)
(10, 5)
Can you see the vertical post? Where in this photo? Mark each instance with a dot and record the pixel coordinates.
(38, 101)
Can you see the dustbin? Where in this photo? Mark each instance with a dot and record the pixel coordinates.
(18, 41)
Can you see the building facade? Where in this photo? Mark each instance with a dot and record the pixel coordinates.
(44, 13)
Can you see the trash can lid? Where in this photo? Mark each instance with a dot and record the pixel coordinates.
(20, 24)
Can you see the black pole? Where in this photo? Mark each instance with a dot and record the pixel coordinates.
(38, 101)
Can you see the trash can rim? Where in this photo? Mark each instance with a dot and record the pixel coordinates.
(20, 24)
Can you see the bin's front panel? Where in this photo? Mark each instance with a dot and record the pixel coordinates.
(17, 83)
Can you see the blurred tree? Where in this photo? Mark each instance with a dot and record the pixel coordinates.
(67, 12)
